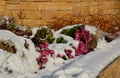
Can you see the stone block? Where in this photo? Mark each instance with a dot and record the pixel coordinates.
(29, 5)
(1, 14)
(13, 1)
(90, 3)
(112, 70)
(12, 6)
(110, 11)
(2, 2)
(42, 0)
(54, 6)
(63, 13)
(12, 13)
(32, 14)
(93, 10)
(33, 23)
(72, 1)
(77, 10)
(57, 0)
(109, 5)
(85, 11)
(27, 0)
(2, 8)
(48, 14)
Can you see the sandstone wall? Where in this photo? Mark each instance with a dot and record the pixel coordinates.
(41, 12)
(112, 71)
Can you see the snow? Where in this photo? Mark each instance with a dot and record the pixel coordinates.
(91, 29)
(90, 65)
(22, 28)
(84, 66)
(4, 19)
(103, 42)
(16, 61)
(34, 30)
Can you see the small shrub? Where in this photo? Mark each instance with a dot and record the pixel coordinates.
(43, 34)
(44, 52)
(71, 32)
(11, 25)
(61, 40)
(10, 71)
(66, 20)
(108, 23)
(8, 46)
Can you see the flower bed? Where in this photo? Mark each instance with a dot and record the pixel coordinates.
(45, 37)
(46, 48)
(11, 25)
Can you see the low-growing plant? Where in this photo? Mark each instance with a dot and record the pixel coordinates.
(11, 25)
(61, 40)
(87, 43)
(44, 52)
(43, 34)
(50, 38)
(71, 32)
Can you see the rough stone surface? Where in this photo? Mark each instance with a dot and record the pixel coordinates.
(44, 11)
(111, 71)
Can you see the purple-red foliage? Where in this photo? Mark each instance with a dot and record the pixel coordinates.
(44, 52)
(84, 38)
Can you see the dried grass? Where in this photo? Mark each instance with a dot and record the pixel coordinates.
(66, 20)
(8, 46)
(108, 23)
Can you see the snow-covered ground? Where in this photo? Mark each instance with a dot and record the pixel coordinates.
(83, 66)
(24, 59)
(90, 65)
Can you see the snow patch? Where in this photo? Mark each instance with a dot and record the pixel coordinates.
(24, 60)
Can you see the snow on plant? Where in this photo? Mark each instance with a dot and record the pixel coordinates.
(10, 24)
(68, 53)
(43, 33)
(78, 33)
(83, 36)
(44, 52)
(61, 40)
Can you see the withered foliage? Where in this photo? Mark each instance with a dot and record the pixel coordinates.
(109, 23)
(66, 20)
(8, 46)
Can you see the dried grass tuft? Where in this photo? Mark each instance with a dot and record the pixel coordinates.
(8, 46)
(66, 20)
(109, 23)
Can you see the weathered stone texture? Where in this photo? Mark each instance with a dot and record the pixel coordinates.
(40, 12)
